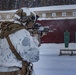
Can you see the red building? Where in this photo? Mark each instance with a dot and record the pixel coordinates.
(59, 19)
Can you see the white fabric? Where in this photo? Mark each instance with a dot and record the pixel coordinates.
(25, 45)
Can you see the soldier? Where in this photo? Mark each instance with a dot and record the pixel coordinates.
(18, 49)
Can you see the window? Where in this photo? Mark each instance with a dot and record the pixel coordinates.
(74, 13)
(63, 13)
(53, 14)
(43, 15)
(7, 16)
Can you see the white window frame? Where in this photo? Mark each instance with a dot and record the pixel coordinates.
(74, 13)
(8, 16)
(53, 14)
(63, 13)
(43, 15)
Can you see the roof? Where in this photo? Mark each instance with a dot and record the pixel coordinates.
(58, 7)
(47, 8)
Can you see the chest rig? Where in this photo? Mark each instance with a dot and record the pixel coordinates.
(8, 28)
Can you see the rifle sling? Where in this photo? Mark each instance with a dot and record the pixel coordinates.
(25, 64)
(13, 49)
(5, 33)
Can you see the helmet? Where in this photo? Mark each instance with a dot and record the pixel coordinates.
(24, 14)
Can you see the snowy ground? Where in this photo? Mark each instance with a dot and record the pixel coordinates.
(51, 63)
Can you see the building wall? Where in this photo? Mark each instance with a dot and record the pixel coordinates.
(58, 21)
(57, 13)
(57, 29)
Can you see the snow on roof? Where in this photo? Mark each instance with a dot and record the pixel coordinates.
(58, 7)
(8, 11)
(47, 8)
(52, 8)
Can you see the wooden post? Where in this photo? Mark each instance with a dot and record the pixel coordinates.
(66, 38)
(75, 37)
